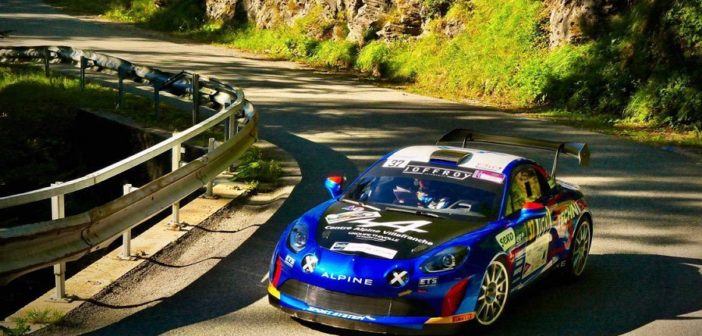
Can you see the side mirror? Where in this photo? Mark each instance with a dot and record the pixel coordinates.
(531, 210)
(334, 184)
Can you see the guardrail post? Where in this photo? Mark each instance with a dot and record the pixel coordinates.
(120, 87)
(210, 184)
(83, 65)
(127, 234)
(46, 61)
(157, 101)
(175, 223)
(196, 98)
(226, 125)
(58, 211)
(233, 126)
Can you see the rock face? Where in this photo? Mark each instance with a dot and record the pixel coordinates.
(407, 20)
(569, 19)
(392, 19)
(217, 10)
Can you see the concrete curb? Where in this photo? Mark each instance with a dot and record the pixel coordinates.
(104, 273)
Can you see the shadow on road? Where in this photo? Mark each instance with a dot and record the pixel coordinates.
(617, 294)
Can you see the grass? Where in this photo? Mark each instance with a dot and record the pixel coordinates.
(33, 316)
(638, 68)
(37, 115)
(652, 134)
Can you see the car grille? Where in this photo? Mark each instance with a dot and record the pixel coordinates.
(322, 298)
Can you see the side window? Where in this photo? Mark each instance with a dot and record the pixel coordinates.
(525, 186)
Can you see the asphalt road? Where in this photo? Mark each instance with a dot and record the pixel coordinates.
(644, 275)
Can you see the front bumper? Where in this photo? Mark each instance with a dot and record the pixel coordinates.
(362, 313)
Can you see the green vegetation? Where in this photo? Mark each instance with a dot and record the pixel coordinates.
(254, 168)
(36, 316)
(37, 115)
(638, 66)
(21, 324)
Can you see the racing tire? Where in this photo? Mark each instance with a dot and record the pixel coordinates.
(577, 258)
(494, 294)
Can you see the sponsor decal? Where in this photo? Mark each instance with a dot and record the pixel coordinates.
(567, 215)
(506, 239)
(351, 215)
(290, 261)
(339, 314)
(353, 208)
(398, 278)
(536, 254)
(400, 227)
(309, 263)
(395, 163)
(428, 282)
(489, 166)
(365, 248)
(489, 176)
(349, 279)
(536, 227)
(437, 172)
(463, 317)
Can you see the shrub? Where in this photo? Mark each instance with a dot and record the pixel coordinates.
(252, 167)
(336, 54)
(372, 58)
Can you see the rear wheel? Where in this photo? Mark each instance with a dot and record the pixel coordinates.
(580, 250)
(494, 291)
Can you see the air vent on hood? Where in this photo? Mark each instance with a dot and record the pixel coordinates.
(449, 156)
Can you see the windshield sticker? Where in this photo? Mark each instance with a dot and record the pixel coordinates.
(489, 166)
(365, 248)
(351, 215)
(394, 163)
(506, 239)
(400, 227)
(437, 172)
(489, 176)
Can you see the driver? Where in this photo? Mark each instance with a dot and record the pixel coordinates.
(423, 193)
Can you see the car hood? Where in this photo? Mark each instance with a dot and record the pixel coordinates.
(351, 229)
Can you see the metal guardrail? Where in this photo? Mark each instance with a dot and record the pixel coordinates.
(33, 246)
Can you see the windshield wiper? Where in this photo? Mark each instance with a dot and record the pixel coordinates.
(413, 211)
(345, 200)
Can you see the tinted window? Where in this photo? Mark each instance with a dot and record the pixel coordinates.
(445, 190)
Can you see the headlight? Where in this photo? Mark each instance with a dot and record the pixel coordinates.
(446, 260)
(297, 240)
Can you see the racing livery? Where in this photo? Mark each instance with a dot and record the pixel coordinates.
(431, 238)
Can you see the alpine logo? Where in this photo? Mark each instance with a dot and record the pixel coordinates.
(349, 279)
(400, 227)
(398, 278)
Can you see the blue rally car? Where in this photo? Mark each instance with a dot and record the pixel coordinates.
(431, 238)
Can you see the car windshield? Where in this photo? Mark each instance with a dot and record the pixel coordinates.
(430, 188)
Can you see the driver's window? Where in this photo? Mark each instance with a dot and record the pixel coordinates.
(524, 187)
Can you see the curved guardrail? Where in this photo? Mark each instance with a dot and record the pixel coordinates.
(37, 245)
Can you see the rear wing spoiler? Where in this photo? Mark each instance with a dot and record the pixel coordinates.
(578, 150)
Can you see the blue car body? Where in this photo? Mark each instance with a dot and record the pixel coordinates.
(386, 267)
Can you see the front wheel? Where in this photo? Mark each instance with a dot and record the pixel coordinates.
(494, 291)
(580, 250)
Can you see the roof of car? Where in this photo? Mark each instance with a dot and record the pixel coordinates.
(476, 159)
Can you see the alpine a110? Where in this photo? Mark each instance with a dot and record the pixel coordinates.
(430, 239)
